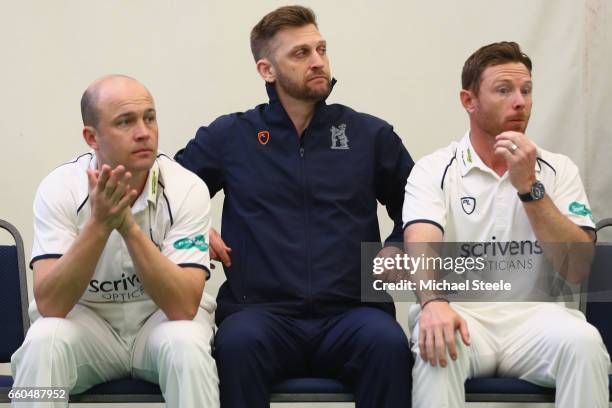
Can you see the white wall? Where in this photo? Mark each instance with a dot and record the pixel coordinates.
(399, 60)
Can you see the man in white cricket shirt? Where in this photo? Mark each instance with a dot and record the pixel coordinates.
(120, 258)
(496, 185)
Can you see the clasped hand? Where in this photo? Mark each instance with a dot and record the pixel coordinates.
(110, 195)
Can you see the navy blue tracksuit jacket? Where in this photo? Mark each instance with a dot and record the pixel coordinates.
(296, 208)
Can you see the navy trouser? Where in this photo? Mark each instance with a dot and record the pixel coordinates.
(364, 347)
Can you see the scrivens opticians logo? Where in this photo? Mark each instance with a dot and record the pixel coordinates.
(120, 290)
(508, 248)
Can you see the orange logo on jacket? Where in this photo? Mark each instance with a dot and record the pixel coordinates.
(264, 137)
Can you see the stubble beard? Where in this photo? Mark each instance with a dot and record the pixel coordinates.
(302, 91)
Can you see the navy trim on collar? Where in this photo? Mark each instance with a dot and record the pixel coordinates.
(539, 159)
(82, 204)
(446, 169)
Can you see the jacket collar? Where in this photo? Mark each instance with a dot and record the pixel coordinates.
(273, 95)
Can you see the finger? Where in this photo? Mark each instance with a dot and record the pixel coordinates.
(509, 135)
(430, 348)
(440, 347)
(449, 336)
(119, 192)
(465, 333)
(123, 185)
(505, 153)
(126, 200)
(111, 184)
(422, 350)
(222, 251)
(224, 257)
(104, 175)
(507, 144)
(213, 253)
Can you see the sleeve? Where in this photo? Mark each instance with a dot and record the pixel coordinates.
(424, 197)
(203, 155)
(570, 198)
(186, 243)
(55, 220)
(393, 167)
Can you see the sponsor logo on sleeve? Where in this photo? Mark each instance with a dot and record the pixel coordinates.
(581, 209)
(198, 242)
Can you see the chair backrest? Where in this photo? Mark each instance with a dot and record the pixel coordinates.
(14, 320)
(599, 294)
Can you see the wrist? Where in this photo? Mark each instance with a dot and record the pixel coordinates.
(434, 300)
(100, 229)
(525, 188)
(128, 230)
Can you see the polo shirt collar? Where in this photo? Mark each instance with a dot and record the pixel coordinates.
(468, 158)
(150, 191)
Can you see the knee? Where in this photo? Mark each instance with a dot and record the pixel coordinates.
(182, 338)
(584, 343)
(238, 341)
(51, 336)
(183, 345)
(386, 340)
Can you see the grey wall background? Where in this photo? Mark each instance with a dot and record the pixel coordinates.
(399, 60)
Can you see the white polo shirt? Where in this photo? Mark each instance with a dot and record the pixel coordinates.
(454, 190)
(173, 210)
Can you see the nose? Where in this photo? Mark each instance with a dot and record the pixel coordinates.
(518, 103)
(317, 60)
(142, 131)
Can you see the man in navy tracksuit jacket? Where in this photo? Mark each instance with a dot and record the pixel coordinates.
(301, 180)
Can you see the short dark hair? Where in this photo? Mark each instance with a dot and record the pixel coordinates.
(487, 56)
(89, 108)
(272, 23)
(89, 100)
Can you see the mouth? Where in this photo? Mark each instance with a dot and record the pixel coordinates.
(314, 78)
(142, 151)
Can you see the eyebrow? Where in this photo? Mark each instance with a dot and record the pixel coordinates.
(509, 81)
(304, 45)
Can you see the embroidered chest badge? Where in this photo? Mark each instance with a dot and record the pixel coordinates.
(339, 140)
(468, 204)
(263, 137)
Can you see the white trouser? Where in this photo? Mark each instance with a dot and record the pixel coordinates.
(543, 343)
(83, 350)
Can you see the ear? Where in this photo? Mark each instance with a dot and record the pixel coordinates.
(91, 137)
(266, 70)
(468, 100)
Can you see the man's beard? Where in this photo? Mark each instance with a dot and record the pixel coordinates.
(302, 91)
